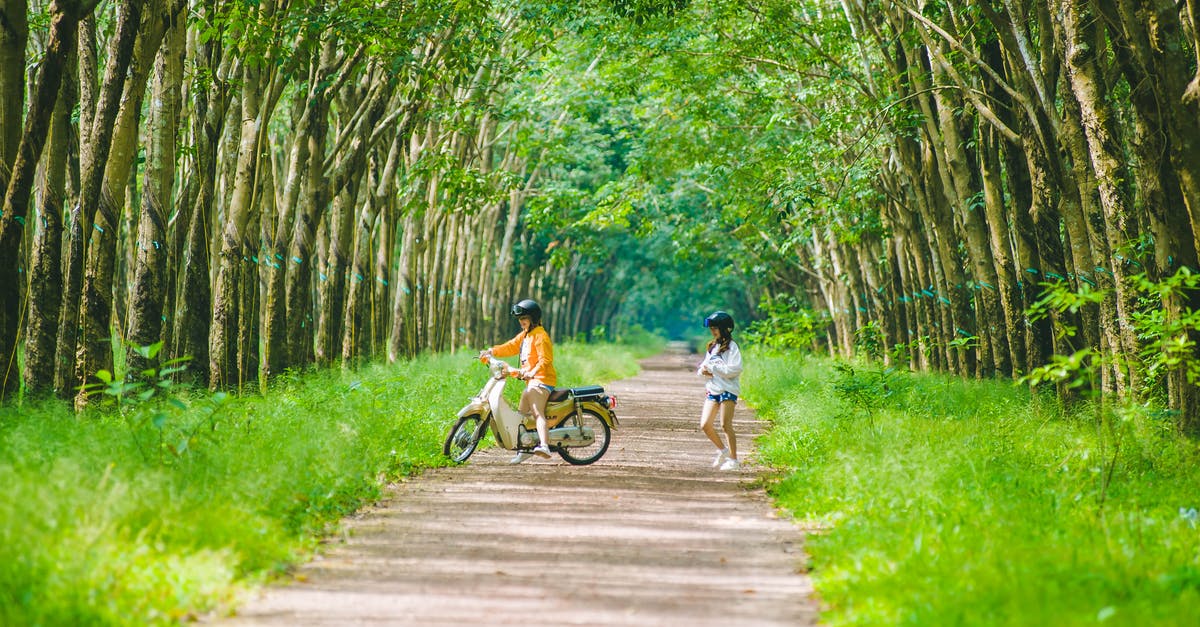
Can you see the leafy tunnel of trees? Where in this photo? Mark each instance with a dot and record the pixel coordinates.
(995, 188)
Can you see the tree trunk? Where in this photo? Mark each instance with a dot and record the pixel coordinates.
(302, 256)
(65, 383)
(45, 277)
(315, 109)
(1158, 40)
(356, 342)
(333, 287)
(1100, 126)
(95, 344)
(223, 358)
(247, 352)
(14, 32)
(149, 282)
(968, 205)
(1012, 353)
(94, 156)
(193, 298)
(1162, 190)
(401, 344)
(20, 187)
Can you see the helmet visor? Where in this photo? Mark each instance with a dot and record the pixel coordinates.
(719, 320)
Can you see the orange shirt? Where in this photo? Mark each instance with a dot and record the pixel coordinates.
(537, 359)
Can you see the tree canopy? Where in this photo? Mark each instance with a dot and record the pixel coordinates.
(993, 189)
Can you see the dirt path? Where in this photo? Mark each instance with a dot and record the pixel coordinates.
(649, 535)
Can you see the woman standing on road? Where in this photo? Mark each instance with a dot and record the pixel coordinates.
(537, 369)
(722, 365)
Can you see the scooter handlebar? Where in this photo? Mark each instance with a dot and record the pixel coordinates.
(498, 367)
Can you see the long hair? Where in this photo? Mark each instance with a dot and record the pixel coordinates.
(723, 339)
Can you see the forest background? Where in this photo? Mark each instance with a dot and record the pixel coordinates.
(1002, 188)
(222, 193)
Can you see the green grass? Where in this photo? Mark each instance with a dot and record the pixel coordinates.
(161, 513)
(949, 502)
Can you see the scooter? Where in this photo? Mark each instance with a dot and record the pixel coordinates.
(579, 420)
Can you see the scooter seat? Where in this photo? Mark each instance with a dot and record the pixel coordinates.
(588, 390)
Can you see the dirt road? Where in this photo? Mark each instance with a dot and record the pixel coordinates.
(649, 535)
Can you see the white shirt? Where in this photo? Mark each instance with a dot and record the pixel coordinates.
(725, 368)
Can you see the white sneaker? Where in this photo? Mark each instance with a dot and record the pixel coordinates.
(731, 464)
(520, 457)
(542, 451)
(721, 457)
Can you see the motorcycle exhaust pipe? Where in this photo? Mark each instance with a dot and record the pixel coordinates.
(561, 436)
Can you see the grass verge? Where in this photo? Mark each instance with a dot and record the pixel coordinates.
(155, 513)
(949, 502)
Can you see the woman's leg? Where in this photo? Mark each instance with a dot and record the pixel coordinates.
(539, 414)
(533, 400)
(727, 425)
(706, 423)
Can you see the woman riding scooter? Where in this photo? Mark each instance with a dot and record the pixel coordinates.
(537, 369)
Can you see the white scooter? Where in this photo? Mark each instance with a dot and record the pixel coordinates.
(579, 421)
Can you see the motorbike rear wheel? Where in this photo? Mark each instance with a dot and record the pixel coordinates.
(464, 436)
(584, 455)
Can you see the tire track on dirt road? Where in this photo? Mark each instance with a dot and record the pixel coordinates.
(648, 535)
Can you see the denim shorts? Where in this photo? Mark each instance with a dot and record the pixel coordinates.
(722, 397)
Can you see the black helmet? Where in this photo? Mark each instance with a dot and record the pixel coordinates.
(720, 320)
(529, 308)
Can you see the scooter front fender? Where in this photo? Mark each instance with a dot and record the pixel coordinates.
(476, 406)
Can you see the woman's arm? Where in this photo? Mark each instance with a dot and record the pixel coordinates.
(509, 348)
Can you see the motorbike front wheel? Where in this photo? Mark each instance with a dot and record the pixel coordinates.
(464, 436)
(583, 455)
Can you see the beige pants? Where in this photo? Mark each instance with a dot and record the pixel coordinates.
(533, 400)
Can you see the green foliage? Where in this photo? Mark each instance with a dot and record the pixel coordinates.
(1076, 371)
(1169, 339)
(1058, 297)
(686, 150)
(869, 340)
(100, 528)
(866, 389)
(159, 419)
(784, 324)
(976, 503)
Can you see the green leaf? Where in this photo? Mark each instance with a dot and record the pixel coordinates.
(149, 352)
